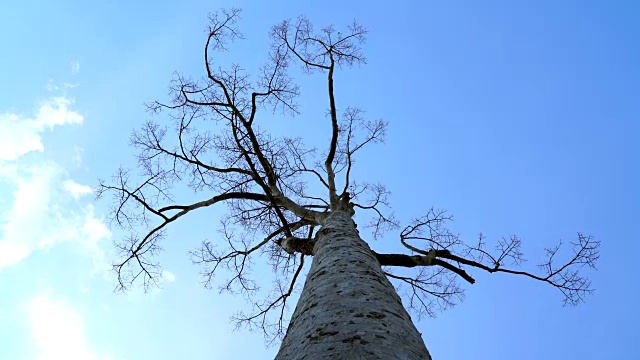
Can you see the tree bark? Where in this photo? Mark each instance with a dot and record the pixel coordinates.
(348, 309)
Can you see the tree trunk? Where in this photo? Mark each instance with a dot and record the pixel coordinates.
(348, 309)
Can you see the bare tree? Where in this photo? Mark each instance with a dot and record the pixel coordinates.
(348, 307)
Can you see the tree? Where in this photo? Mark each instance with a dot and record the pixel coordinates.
(348, 307)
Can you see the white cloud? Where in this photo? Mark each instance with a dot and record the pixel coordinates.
(20, 135)
(55, 111)
(77, 156)
(92, 238)
(43, 214)
(40, 213)
(12, 252)
(25, 223)
(17, 137)
(77, 190)
(168, 276)
(75, 67)
(52, 87)
(58, 331)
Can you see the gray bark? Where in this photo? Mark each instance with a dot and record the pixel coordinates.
(348, 309)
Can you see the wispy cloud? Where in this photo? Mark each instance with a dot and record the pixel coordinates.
(21, 135)
(21, 231)
(77, 156)
(75, 67)
(58, 331)
(76, 190)
(51, 86)
(43, 214)
(41, 205)
(168, 276)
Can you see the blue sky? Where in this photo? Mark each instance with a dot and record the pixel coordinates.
(517, 117)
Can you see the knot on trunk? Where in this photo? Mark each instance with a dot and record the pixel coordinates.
(346, 204)
(294, 244)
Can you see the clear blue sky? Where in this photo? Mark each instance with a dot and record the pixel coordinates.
(519, 117)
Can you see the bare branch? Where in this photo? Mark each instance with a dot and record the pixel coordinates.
(272, 331)
(377, 194)
(215, 146)
(431, 290)
(441, 244)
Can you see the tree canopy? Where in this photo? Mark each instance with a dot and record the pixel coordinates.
(270, 184)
